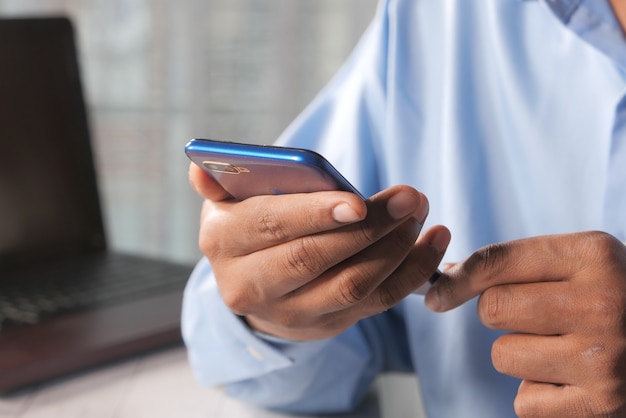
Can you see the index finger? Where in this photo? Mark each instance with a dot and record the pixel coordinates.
(538, 259)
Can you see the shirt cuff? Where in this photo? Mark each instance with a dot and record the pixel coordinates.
(223, 349)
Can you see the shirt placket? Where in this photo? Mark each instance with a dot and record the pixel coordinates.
(615, 195)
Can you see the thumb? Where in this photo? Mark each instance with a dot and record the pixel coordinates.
(205, 185)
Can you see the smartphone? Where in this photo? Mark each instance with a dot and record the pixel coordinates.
(246, 170)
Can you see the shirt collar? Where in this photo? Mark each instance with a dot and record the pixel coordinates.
(595, 22)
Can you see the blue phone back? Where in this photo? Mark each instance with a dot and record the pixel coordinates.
(246, 170)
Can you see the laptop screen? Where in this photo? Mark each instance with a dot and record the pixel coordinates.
(49, 204)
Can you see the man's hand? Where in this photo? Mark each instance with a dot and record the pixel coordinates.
(564, 298)
(308, 266)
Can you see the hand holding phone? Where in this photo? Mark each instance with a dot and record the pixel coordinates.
(287, 264)
(246, 170)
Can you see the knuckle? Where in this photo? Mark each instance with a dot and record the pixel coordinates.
(492, 257)
(595, 356)
(207, 245)
(605, 365)
(238, 299)
(211, 244)
(351, 290)
(403, 237)
(365, 233)
(602, 262)
(268, 226)
(493, 306)
(601, 239)
(603, 246)
(304, 257)
(387, 297)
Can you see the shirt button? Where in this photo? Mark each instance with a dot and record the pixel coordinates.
(254, 353)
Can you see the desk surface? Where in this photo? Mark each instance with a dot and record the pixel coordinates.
(160, 385)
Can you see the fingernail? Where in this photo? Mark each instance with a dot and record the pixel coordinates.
(402, 204)
(345, 214)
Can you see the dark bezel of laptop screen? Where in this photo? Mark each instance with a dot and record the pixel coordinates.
(49, 203)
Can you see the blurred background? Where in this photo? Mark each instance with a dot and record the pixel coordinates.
(157, 73)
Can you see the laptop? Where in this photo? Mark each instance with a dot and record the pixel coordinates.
(67, 301)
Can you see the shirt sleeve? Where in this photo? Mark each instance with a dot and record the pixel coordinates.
(324, 376)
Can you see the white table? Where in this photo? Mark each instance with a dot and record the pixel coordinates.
(160, 385)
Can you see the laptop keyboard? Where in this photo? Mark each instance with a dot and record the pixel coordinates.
(43, 292)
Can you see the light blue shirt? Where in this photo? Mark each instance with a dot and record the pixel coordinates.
(510, 116)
